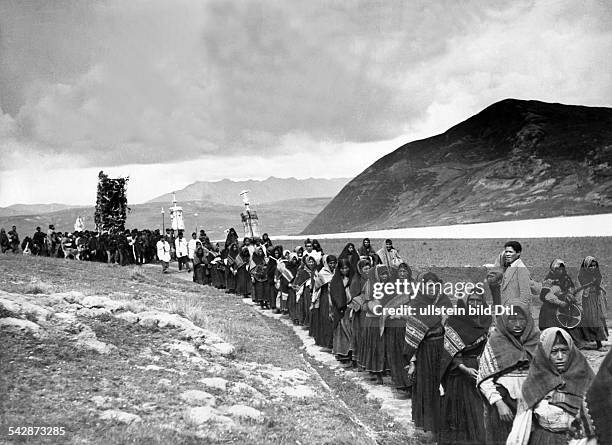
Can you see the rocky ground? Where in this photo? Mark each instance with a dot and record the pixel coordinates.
(127, 355)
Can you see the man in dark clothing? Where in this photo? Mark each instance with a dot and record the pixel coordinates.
(14, 239)
(38, 241)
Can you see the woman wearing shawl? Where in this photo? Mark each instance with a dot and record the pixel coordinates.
(293, 266)
(215, 279)
(424, 342)
(393, 327)
(345, 284)
(303, 285)
(271, 290)
(556, 284)
(554, 392)
(465, 337)
(373, 344)
(599, 403)
(266, 241)
(232, 237)
(220, 265)
(593, 296)
(4, 241)
(320, 322)
(199, 265)
(503, 368)
(243, 278)
(356, 313)
(259, 277)
(230, 268)
(283, 276)
(351, 254)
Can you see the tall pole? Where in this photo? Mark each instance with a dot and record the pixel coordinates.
(163, 221)
(196, 223)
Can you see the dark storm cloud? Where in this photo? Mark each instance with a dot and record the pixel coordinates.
(114, 82)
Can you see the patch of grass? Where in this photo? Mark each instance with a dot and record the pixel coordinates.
(38, 288)
(30, 316)
(136, 274)
(5, 313)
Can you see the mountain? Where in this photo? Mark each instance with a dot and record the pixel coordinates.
(286, 217)
(269, 190)
(33, 209)
(513, 160)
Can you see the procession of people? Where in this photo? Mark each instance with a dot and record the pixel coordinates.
(474, 378)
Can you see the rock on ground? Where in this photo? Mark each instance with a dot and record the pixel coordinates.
(225, 349)
(18, 325)
(200, 415)
(214, 383)
(245, 412)
(197, 397)
(120, 416)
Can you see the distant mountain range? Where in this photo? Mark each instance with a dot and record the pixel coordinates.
(32, 209)
(513, 160)
(284, 206)
(268, 190)
(286, 217)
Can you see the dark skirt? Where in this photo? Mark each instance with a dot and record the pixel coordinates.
(258, 291)
(199, 272)
(426, 387)
(342, 348)
(230, 280)
(395, 331)
(373, 347)
(303, 307)
(548, 316)
(270, 293)
(221, 278)
(593, 326)
(325, 330)
(357, 337)
(496, 431)
(214, 276)
(291, 305)
(206, 274)
(461, 409)
(243, 282)
(314, 323)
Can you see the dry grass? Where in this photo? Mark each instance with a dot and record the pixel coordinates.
(51, 382)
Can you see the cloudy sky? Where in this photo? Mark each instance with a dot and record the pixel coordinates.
(174, 92)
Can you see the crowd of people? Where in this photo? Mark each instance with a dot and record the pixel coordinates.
(121, 247)
(473, 378)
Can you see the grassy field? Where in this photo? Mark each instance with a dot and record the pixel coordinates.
(49, 382)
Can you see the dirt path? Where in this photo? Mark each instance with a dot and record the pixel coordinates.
(396, 408)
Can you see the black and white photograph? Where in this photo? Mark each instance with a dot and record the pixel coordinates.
(374, 222)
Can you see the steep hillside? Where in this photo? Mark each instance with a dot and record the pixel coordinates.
(514, 160)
